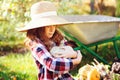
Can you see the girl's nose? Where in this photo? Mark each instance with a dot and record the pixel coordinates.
(52, 28)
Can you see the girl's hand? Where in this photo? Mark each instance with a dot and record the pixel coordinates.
(64, 51)
(69, 52)
(78, 59)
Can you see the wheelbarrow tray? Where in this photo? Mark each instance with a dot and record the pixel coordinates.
(91, 28)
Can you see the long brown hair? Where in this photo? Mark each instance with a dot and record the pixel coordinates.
(35, 34)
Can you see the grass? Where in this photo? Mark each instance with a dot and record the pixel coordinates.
(17, 67)
(22, 67)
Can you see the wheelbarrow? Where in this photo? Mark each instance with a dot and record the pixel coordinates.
(92, 30)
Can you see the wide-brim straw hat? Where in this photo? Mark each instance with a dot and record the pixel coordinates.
(43, 14)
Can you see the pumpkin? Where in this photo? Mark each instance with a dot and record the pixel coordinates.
(88, 72)
(93, 75)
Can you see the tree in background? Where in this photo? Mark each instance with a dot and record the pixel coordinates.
(105, 7)
(118, 8)
(15, 13)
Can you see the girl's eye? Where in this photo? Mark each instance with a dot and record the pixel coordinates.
(48, 26)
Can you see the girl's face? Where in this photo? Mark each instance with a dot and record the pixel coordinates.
(49, 31)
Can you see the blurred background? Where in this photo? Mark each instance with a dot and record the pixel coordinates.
(15, 60)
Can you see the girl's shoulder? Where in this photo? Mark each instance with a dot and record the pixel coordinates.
(33, 43)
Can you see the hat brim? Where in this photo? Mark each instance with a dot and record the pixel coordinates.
(44, 21)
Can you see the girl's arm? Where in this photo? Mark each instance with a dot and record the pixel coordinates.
(78, 59)
(58, 65)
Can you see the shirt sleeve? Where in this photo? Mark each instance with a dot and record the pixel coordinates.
(57, 65)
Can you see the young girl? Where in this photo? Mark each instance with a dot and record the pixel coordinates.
(42, 35)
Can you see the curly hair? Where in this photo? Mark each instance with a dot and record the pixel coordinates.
(38, 33)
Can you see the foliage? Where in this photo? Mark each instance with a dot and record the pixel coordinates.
(16, 13)
(118, 8)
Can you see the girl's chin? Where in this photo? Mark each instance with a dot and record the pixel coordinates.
(50, 37)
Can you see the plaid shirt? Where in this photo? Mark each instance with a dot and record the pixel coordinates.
(51, 68)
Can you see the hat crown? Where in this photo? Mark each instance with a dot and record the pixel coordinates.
(43, 14)
(42, 7)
